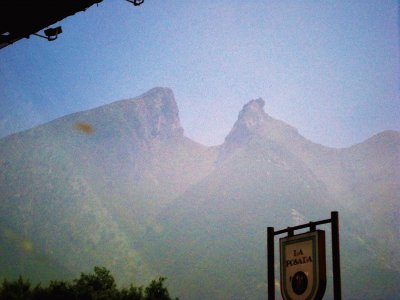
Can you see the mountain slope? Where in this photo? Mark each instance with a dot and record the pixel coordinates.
(267, 174)
(82, 185)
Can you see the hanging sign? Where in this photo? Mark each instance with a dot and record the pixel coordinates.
(303, 268)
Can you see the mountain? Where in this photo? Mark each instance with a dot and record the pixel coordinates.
(266, 174)
(73, 186)
(122, 187)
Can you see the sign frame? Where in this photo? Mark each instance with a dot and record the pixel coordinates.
(336, 278)
(316, 257)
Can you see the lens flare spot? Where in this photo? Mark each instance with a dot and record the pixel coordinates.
(84, 127)
(27, 246)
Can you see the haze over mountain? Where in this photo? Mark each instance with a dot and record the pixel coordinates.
(122, 187)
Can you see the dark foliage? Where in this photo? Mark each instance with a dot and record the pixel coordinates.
(99, 285)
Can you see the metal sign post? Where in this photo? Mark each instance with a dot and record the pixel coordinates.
(300, 277)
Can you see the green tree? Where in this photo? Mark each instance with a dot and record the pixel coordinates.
(16, 290)
(57, 290)
(157, 291)
(98, 286)
(133, 293)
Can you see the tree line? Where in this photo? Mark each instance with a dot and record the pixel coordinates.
(99, 285)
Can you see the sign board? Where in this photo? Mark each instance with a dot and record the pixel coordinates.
(303, 268)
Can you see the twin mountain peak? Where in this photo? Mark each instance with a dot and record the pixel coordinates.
(154, 115)
(159, 116)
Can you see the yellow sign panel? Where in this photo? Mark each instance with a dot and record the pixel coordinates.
(303, 274)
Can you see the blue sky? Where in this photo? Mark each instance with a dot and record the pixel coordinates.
(329, 68)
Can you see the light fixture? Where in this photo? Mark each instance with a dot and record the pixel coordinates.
(136, 2)
(51, 33)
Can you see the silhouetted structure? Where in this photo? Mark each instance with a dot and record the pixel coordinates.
(21, 19)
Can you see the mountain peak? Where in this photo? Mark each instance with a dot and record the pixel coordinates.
(159, 113)
(158, 91)
(256, 104)
(152, 116)
(251, 117)
(254, 122)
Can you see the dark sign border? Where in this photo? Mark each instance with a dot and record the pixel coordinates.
(319, 281)
(336, 278)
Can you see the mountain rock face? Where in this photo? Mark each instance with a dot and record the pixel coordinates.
(253, 122)
(251, 118)
(158, 115)
(120, 186)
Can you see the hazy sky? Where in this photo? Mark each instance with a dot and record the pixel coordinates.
(329, 68)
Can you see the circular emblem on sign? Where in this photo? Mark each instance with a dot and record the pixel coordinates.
(299, 283)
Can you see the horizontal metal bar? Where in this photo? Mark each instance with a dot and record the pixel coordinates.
(307, 225)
